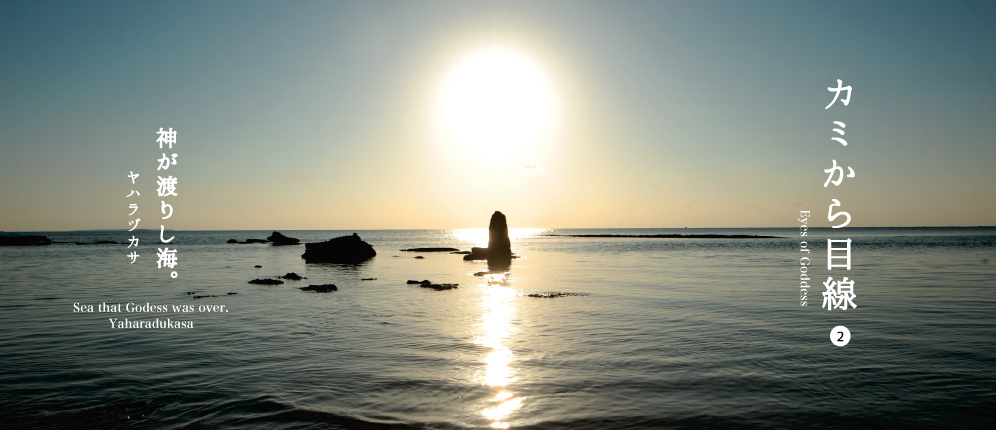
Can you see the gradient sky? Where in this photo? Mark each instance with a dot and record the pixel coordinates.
(318, 115)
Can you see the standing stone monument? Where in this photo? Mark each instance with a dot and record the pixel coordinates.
(499, 250)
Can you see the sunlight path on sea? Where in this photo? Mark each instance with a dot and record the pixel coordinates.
(498, 305)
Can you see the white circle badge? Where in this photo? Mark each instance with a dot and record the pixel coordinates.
(840, 335)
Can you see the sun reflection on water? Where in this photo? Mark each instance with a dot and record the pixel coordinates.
(498, 304)
(498, 413)
(479, 236)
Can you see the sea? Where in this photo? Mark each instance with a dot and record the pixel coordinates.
(650, 333)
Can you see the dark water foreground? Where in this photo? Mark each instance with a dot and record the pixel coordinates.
(677, 333)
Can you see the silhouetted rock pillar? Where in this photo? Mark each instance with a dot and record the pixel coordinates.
(499, 245)
(499, 250)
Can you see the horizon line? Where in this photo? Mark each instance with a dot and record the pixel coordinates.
(510, 228)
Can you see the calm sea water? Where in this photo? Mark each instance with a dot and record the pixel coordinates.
(668, 333)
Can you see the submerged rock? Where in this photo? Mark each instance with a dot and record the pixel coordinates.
(489, 272)
(553, 295)
(324, 288)
(279, 239)
(233, 241)
(293, 276)
(428, 284)
(24, 241)
(440, 287)
(266, 281)
(343, 250)
(255, 241)
(476, 254)
(430, 249)
(368, 279)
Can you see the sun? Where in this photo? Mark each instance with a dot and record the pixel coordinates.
(496, 102)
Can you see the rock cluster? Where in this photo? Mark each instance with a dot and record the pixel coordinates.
(279, 239)
(266, 281)
(428, 284)
(324, 288)
(342, 250)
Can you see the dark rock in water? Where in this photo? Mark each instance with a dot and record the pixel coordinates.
(24, 240)
(259, 267)
(320, 288)
(368, 279)
(440, 287)
(476, 254)
(430, 249)
(419, 257)
(293, 276)
(190, 293)
(553, 295)
(255, 241)
(201, 297)
(232, 241)
(499, 244)
(499, 250)
(343, 250)
(423, 282)
(232, 294)
(266, 281)
(461, 252)
(279, 239)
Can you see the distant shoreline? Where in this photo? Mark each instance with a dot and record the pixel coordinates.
(669, 236)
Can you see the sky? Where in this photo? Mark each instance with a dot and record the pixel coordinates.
(430, 114)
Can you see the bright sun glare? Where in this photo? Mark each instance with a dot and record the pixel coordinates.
(495, 101)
